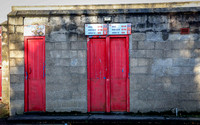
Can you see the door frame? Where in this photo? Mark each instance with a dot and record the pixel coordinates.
(108, 79)
(26, 38)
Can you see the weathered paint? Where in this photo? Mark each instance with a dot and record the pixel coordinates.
(35, 74)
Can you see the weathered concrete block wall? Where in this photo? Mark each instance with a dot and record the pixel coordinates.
(164, 64)
(164, 69)
(5, 102)
(16, 54)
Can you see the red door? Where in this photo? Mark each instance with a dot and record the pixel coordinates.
(35, 74)
(97, 81)
(108, 69)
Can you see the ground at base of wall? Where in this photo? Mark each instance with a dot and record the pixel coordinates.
(102, 118)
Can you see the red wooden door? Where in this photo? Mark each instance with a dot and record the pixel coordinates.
(118, 73)
(34, 74)
(97, 75)
(108, 69)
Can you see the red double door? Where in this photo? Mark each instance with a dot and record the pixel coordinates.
(108, 74)
(34, 74)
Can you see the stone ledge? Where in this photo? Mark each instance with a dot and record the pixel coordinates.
(101, 11)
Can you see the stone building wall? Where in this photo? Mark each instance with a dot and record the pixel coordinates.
(5, 102)
(164, 65)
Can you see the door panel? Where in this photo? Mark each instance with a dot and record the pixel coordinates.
(98, 74)
(35, 70)
(118, 74)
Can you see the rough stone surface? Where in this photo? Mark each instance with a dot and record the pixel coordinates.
(164, 64)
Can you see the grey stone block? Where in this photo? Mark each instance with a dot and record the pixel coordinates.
(73, 54)
(16, 78)
(17, 107)
(58, 36)
(78, 62)
(82, 53)
(65, 54)
(58, 79)
(73, 37)
(80, 70)
(56, 54)
(184, 53)
(119, 19)
(179, 37)
(154, 36)
(158, 19)
(183, 62)
(163, 45)
(139, 70)
(163, 62)
(145, 45)
(49, 46)
(138, 53)
(16, 70)
(62, 62)
(78, 45)
(17, 95)
(154, 53)
(133, 62)
(139, 36)
(62, 45)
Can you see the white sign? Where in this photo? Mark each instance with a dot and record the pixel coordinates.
(34, 30)
(95, 29)
(119, 29)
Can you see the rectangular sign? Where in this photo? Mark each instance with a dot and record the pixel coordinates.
(95, 29)
(34, 30)
(119, 29)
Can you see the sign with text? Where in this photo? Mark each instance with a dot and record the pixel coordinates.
(95, 29)
(119, 29)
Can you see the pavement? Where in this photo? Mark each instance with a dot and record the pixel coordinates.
(99, 119)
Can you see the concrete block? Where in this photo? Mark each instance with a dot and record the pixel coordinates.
(16, 54)
(73, 37)
(179, 37)
(62, 62)
(139, 36)
(19, 29)
(78, 62)
(154, 37)
(133, 62)
(73, 53)
(82, 53)
(56, 54)
(17, 95)
(183, 62)
(163, 45)
(184, 53)
(62, 45)
(16, 21)
(163, 62)
(146, 45)
(58, 37)
(16, 70)
(16, 78)
(154, 53)
(65, 54)
(79, 70)
(78, 45)
(138, 53)
(139, 70)
(49, 46)
(36, 21)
